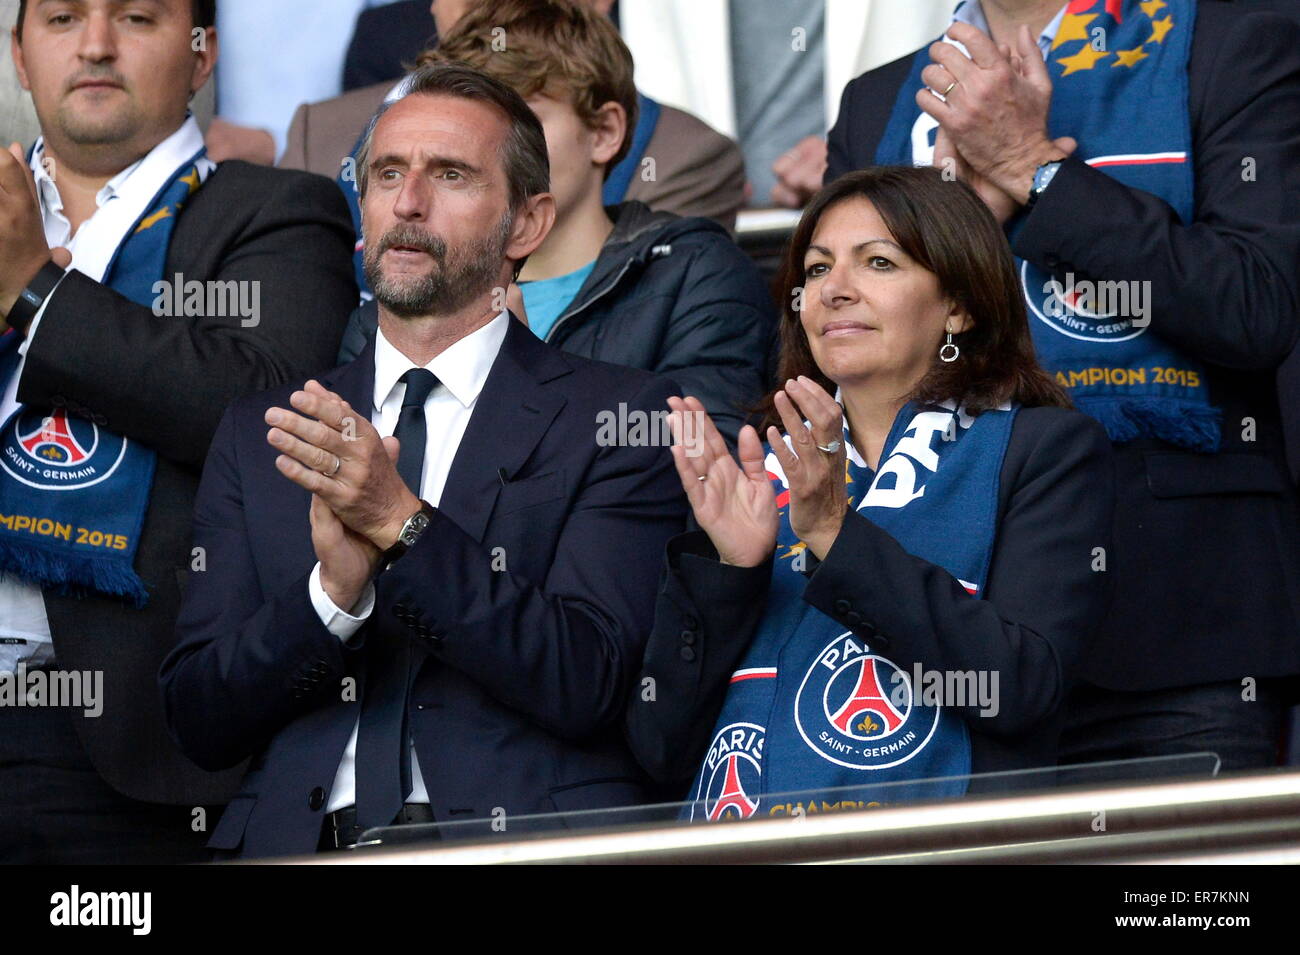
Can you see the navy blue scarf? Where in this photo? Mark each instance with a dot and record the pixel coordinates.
(1127, 106)
(73, 494)
(813, 708)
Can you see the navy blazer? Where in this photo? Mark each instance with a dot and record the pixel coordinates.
(1207, 546)
(528, 601)
(1045, 596)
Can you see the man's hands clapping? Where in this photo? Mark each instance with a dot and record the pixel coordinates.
(993, 121)
(359, 501)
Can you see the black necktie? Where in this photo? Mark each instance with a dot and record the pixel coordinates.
(383, 762)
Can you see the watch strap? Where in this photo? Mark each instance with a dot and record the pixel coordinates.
(31, 298)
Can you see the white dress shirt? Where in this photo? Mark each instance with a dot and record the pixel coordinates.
(461, 371)
(118, 206)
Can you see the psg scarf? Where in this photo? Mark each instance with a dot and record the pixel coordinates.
(1119, 87)
(72, 493)
(821, 712)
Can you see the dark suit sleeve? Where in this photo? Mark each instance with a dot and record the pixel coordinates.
(720, 334)
(563, 653)
(1044, 600)
(1224, 287)
(840, 155)
(164, 380)
(705, 616)
(865, 108)
(384, 40)
(258, 660)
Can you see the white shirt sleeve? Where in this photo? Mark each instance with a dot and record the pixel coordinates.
(338, 622)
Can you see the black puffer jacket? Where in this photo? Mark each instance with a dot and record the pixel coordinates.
(670, 295)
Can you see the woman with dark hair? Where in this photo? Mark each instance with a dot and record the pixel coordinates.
(896, 588)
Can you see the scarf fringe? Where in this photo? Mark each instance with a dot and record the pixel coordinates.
(77, 575)
(1187, 424)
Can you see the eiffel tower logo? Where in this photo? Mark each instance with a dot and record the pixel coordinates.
(868, 701)
(733, 795)
(54, 441)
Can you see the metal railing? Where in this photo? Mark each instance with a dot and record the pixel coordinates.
(1256, 816)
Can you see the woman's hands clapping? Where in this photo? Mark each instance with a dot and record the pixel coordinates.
(734, 505)
(818, 499)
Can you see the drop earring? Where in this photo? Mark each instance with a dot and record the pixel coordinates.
(948, 351)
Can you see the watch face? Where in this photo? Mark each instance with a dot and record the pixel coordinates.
(411, 533)
(1044, 175)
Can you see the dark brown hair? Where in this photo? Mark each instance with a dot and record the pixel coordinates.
(558, 48)
(946, 228)
(204, 13)
(527, 164)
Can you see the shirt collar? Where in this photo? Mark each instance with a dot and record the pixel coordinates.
(146, 174)
(462, 368)
(971, 12)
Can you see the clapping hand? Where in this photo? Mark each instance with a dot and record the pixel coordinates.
(818, 496)
(735, 505)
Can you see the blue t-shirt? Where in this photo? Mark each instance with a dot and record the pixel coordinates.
(546, 299)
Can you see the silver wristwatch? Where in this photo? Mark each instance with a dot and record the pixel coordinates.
(414, 526)
(1042, 178)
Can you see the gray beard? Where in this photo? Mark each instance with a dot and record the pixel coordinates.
(459, 278)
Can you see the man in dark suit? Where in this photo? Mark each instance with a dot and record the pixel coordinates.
(466, 548)
(76, 786)
(1203, 635)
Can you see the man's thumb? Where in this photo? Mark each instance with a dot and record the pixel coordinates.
(1067, 144)
(62, 257)
(392, 446)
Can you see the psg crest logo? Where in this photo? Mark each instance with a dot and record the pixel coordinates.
(859, 710)
(53, 451)
(1081, 309)
(729, 782)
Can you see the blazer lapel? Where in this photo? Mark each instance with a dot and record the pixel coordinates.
(513, 412)
(355, 381)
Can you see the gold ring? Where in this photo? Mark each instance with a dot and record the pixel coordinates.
(951, 87)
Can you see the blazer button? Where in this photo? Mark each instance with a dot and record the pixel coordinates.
(58, 401)
(691, 622)
(100, 420)
(316, 799)
(688, 637)
(688, 654)
(842, 606)
(853, 618)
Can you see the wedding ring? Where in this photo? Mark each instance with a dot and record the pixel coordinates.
(830, 448)
(702, 477)
(338, 463)
(951, 87)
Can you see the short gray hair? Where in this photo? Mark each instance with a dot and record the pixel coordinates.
(527, 165)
